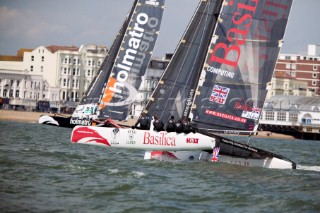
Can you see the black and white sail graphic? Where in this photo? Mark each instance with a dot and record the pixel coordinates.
(175, 90)
(132, 60)
(88, 104)
(239, 64)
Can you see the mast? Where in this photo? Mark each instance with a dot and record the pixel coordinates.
(239, 64)
(176, 86)
(132, 60)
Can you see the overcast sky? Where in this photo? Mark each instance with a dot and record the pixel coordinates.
(32, 23)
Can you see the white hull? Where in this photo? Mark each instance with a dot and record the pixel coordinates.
(140, 139)
(45, 119)
(271, 163)
(174, 146)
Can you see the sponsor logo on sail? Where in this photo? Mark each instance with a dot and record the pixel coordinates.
(159, 139)
(228, 53)
(152, 2)
(219, 94)
(132, 56)
(225, 116)
(248, 112)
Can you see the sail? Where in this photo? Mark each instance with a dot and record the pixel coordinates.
(132, 60)
(174, 92)
(89, 101)
(239, 64)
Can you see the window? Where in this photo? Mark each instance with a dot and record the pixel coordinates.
(65, 60)
(41, 68)
(31, 68)
(78, 71)
(69, 70)
(65, 70)
(99, 63)
(42, 58)
(17, 93)
(5, 93)
(282, 116)
(74, 61)
(92, 62)
(74, 71)
(64, 82)
(18, 82)
(315, 75)
(293, 74)
(31, 84)
(11, 93)
(88, 72)
(293, 117)
(89, 63)
(315, 67)
(314, 83)
(32, 58)
(72, 84)
(269, 115)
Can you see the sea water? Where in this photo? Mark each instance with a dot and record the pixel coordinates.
(41, 171)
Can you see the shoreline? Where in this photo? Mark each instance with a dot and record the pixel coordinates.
(33, 117)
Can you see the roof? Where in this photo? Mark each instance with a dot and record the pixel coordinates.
(55, 48)
(18, 57)
(285, 102)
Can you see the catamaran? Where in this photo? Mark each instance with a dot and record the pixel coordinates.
(217, 77)
(119, 77)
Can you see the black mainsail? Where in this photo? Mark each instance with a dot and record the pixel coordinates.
(91, 98)
(132, 60)
(175, 90)
(239, 64)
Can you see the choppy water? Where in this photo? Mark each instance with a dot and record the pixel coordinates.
(41, 171)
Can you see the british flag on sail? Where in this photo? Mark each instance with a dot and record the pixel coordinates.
(219, 94)
(215, 155)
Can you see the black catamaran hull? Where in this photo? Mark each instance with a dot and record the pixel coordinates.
(56, 120)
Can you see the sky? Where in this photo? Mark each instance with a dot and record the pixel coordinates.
(34, 23)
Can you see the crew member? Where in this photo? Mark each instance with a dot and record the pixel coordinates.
(170, 127)
(143, 122)
(179, 127)
(157, 124)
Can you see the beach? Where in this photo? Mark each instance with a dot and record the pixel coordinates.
(33, 117)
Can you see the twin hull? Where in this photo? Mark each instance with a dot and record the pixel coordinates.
(174, 146)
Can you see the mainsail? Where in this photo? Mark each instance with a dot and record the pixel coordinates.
(129, 55)
(132, 60)
(239, 64)
(92, 95)
(173, 95)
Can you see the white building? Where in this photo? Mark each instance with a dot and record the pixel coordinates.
(295, 115)
(57, 74)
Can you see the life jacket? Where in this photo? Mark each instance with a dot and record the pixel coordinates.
(179, 127)
(158, 125)
(144, 123)
(186, 127)
(170, 125)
